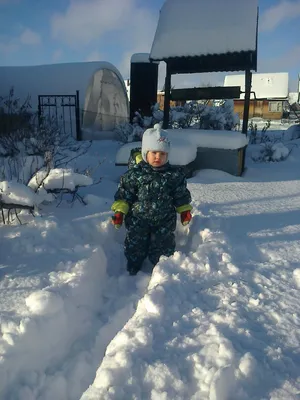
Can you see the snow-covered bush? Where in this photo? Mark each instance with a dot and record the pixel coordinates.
(191, 115)
(256, 137)
(20, 168)
(127, 133)
(293, 132)
(271, 152)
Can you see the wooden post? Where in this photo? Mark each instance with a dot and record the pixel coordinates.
(298, 88)
(77, 117)
(167, 98)
(248, 80)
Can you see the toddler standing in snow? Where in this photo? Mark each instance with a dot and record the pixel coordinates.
(149, 195)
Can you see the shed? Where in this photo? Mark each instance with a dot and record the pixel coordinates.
(196, 36)
(102, 97)
(269, 94)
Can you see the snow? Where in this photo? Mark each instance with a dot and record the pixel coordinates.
(17, 193)
(13, 192)
(182, 152)
(280, 151)
(184, 143)
(218, 320)
(140, 58)
(175, 37)
(59, 178)
(293, 97)
(265, 86)
(229, 140)
(56, 79)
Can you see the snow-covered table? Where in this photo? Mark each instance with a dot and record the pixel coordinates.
(197, 149)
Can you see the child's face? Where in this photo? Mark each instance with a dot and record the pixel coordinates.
(157, 158)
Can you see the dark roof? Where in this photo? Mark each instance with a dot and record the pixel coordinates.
(213, 63)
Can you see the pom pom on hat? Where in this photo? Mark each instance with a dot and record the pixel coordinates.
(155, 139)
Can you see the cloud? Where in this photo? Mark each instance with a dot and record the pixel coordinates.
(85, 20)
(285, 62)
(8, 47)
(29, 37)
(9, 1)
(94, 56)
(57, 55)
(138, 36)
(274, 16)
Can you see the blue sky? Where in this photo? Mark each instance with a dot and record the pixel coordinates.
(36, 32)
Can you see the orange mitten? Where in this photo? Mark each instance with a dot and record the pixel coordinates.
(185, 217)
(117, 220)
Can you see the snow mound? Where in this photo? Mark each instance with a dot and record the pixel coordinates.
(44, 302)
(296, 275)
(293, 132)
(280, 152)
(17, 193)
(59, 178)
(173, 336)
(56, 317)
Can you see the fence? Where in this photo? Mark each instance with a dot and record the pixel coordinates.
(63, 110)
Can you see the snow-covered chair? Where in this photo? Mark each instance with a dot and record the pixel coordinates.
(60, 181)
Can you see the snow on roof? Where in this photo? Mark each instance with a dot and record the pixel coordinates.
(200, 27)
(293, 97)
(63, 78)
(140, 58)
(265, 86)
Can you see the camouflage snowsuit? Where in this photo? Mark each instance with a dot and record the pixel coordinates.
(152, 196)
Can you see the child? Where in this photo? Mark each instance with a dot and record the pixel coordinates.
(149, 194)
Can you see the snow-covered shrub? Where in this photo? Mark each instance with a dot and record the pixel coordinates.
(124, 132)
(256, 137)
(20, 168)
(293, 132)
(271, 152)
(191, 115)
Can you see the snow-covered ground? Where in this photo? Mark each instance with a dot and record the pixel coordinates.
(220, 320)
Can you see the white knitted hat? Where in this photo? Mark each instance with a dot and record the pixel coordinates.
(155, 139)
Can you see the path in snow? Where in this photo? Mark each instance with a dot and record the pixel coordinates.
(223, 320)
(60, 310)
(220, 319)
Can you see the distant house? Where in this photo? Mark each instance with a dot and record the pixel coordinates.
(173, 103)
(269, 94)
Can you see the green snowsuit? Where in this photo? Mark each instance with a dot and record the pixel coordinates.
(149, 197)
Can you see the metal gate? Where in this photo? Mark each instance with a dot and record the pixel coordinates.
(63, 110)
